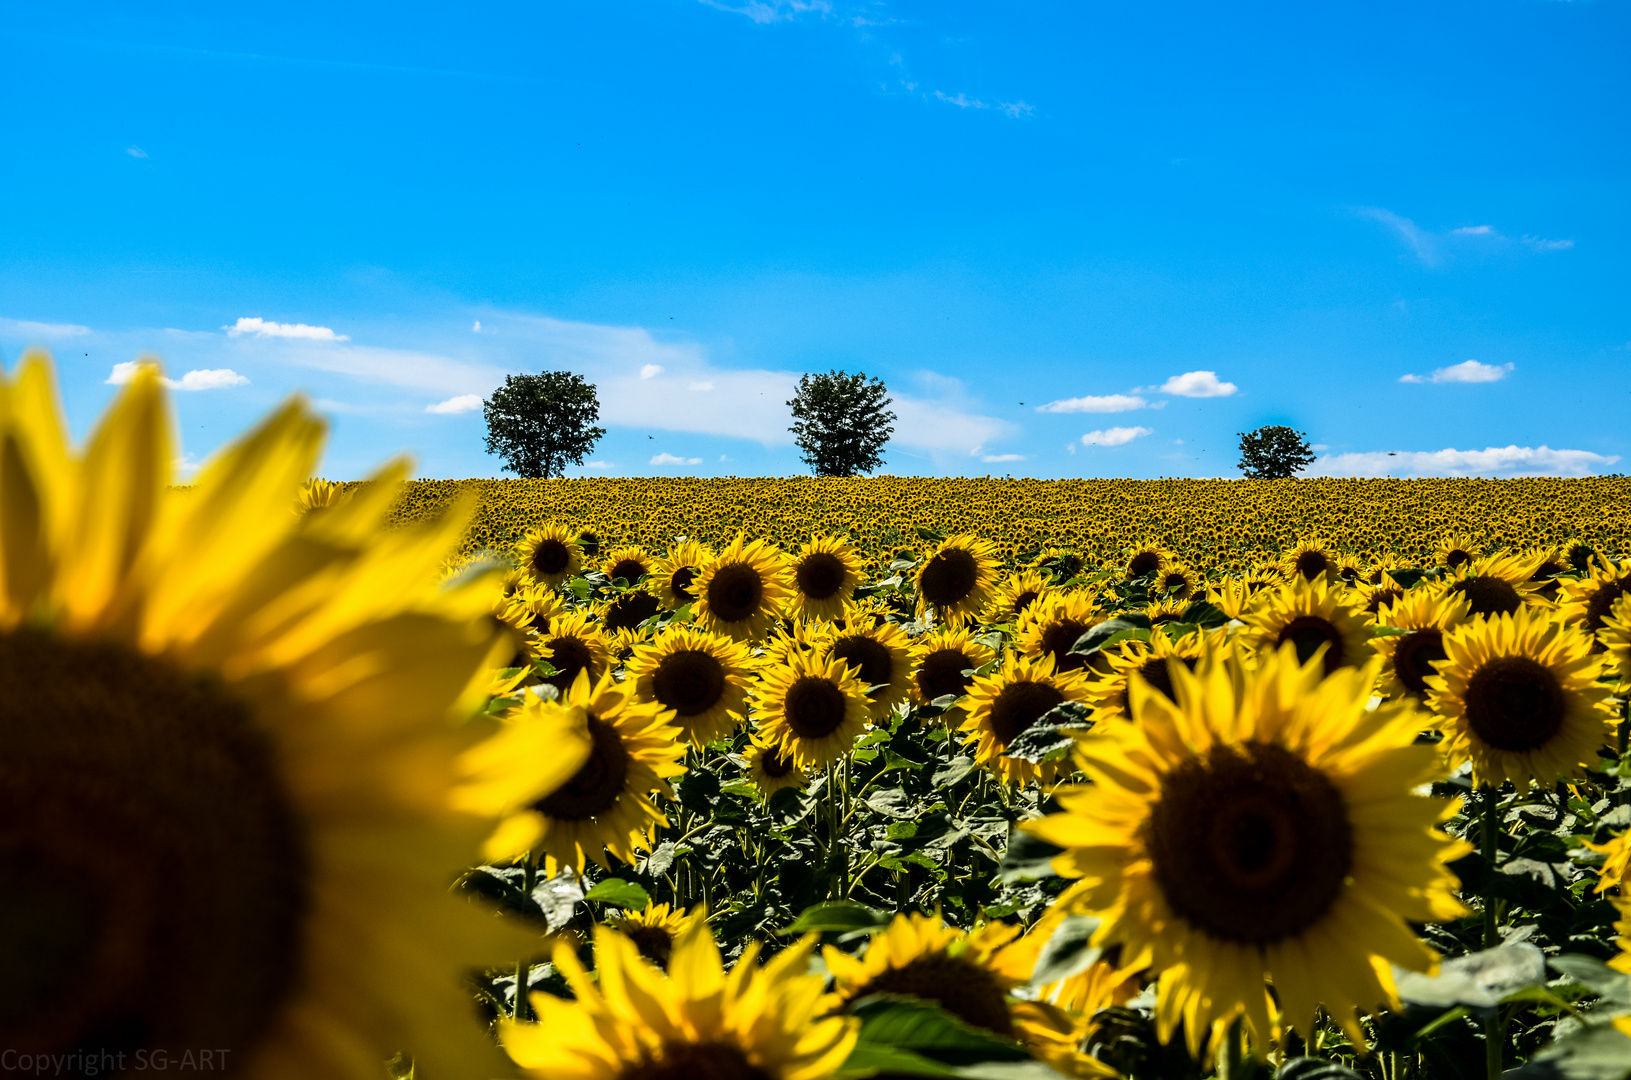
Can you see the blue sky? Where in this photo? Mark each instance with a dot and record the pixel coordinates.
(1076, 239)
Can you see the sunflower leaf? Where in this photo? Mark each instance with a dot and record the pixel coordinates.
(1068, 952)
(839, 917)
(1307, 1068)
(1614, 987)
(1478, 980)
(1111, 632)
(1027, 858)
(620, 893)
(1204, 613)
(919, 1026)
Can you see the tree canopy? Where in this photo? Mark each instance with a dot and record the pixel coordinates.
(841, 422)
(541, 423)
(1273, 452)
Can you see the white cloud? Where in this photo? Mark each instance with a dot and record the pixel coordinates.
(943, 423)
(1475, 230)
(1491, 461)
(463, 403)
(262, 328)
(651, 371)
(1542, 244)
(197, 379)
(1468, 371)
(769, 11)
(1198, 384)
(1419, 240)
(702, 386)
(1115, 436)
(476, 329)
(1105, 403)
(1015, 109)
(135, 151)
(994, 459)
(1012, 109)
(35, 331)
(601, 466)
(670, 459)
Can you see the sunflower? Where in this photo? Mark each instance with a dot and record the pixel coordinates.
(825, 573)
(1110, 695)
(634, 752)
(572, 645)
(631, 1022)
(1616, 862)
(1408, 659)
(320, 495)
(1380, 572)
(1455, 551)
(742, 589)
(1309, 614)
(531, 607)
(1144, 559)
(1054, 623)
(942, 658)
(791, 638)
(1499, 584)
(1166, 610)
(653, 931)
(1308, 560)
(629, 563)
(1010, 599)
(1349, 570)
(1587, 602)
(549, 555)
(1178, 581)
(1232, 596)
(1518, 697)
(957, 577)
(628, 610)
(1374, 597)
(772, 770)
(225, 751)
(1007, 702)
(879, 653)
(702, 677)
(1262, 826)
(1615, 637)
(810, 709)
(676, 573)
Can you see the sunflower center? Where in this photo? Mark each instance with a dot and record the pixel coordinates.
(1579, 557)
(1308, 633)
(1024, 600)
(964, 989)
(815, 707)
(1601, 604)
(1057, 639)
(652, 942)
(568, 656)
(689, 681)
(1515, 703)
(551, 557)
(1145, 562)
(1019, 705)
(1311, 564)
(1176, 584)
(774, 764)
(631, 609)
(593, 789)
(820, 575)
(1250, 844)
(949, 577)
(1457, 557)
(146, 846)
(681, 580)
(630, 570)
(1382, 597)
(1417, 656)
(696, 1061)
(869, 657)
(941, 673)
(1154, 670)
(1488, 595)
(735, 592)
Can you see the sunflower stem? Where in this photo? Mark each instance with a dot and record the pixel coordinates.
(1232, 1057)
(1491, 853)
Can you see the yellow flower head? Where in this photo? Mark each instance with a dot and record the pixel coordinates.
(550, 554)
(1409, 658)
(742, 590)
(1308, 560)
(654, 930)
(703, 678)
(1052, 625)
(825, 574)
(1498, 584)
(1309, 615)
(810, 709)
(676, 573)
(941, 658)
(1006, 703)
(628, 563)
(880, 655)
(956, 578)
(772, 770)
(1011, 599)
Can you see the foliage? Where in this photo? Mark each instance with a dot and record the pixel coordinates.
(1273, 452)
(541, 423)
(841, 422)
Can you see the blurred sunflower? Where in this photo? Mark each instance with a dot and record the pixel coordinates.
(549, 555)
(702, 677)
(1166, 610)
(633, 752)
(1007, 702)
(530, 607)
(1308, 560)
(1497, 585)
(628, 610)
(1615, 637)
(319, 495)
(1380, 572)
(572, 645)
(1110, 694)
(1408, 659)
(957, 577)
(1349, 570)
(1616, 862)
(1261, 827)
(225, 752)
(629, 563)
(1010, 599)
(653, 931)
(630, 1022)
(1455, 551)
(1053, 624)
(1232, 596)
(1518, 697)
(879, 654)
(1144, 559)
(1178, 581)
(942, 657)
(825, 574)
(810, 709)
(1587, 603)
(677, 573)
(741, 590)
(1309, 614)
(772, 770)
(1374, 597)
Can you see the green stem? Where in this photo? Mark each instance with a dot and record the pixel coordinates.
(1232, 1059)
(1491, 853)
(523, 970)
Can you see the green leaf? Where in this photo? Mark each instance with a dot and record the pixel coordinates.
(1067, 952)
(1111, 632)
(1307, 1068)
(1478, 980)
(953, 772)
(874, 1059)
(629, 896)
(924, 1028)
(698, 788)
(840, 917)
(1027, 859)
(1614, 987)
(1052, 735)
(1407, 579)
(1205, 614)
(1585, 1052)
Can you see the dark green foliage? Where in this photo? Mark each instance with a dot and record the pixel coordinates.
(841, 422)
(540, 424)
(1273, 452)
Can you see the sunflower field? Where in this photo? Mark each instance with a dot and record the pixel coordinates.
(773, 779)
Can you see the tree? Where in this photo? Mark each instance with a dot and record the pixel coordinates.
(840, 422)
(1273, 452)
(541, 423)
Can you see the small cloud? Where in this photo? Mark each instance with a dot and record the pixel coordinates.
(1319, 448)
(1419, 240)
(198, 379)
(23, 328)
(724, 457)
(770, 11)
(264, 328)
(995, 459)
(135, 151)
(700, 386)
(186, 467)
(452, 406)
(476, 329)
(1105, 403)
(1070, 448)
(1115, 436)
(1015, 109)
(670, 459)
(1540, 243)
(651, 371)
(1474, 230)
(1491, 461)
(1198, 384)
(1468, 371)
(601, 466)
